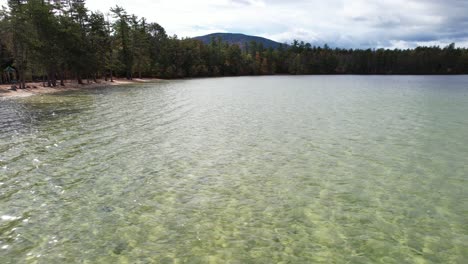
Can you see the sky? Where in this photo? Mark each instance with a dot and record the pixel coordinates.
(339, 23)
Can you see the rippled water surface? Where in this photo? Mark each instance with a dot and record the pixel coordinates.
(319, 169)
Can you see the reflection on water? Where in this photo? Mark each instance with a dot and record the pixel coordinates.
(342, 169)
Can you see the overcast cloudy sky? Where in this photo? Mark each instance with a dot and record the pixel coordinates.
(343, 23)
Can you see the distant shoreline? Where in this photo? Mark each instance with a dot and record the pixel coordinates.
(37, 88)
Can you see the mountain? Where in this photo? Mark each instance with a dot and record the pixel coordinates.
(240, 39)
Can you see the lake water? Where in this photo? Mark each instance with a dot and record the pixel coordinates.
(307, 169)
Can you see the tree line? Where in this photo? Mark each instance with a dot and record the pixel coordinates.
(55, 40)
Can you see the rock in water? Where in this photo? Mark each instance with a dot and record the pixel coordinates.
(121, 246)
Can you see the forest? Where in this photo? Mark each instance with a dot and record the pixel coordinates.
(53, 41)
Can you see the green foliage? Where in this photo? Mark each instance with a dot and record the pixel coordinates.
(53, 40)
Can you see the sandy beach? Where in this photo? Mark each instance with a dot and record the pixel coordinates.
(37, 88)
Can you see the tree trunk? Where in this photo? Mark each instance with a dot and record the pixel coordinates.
(62, 77)
(80, 81)
(54, 79)
(22, 82)
(129, 74)
(51, 78)
(20, 78)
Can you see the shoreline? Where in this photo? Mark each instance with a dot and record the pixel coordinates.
(36, 88)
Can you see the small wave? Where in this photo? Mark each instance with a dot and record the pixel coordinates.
(8, 218)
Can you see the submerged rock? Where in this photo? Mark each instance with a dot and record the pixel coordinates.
(120, 247)
(107, 209)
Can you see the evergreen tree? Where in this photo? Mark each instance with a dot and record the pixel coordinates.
(123, 40)
(64, 40)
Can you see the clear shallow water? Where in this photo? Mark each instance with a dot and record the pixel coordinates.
(318, 169)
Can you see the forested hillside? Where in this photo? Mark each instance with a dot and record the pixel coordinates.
(241, 40)
(58, 40)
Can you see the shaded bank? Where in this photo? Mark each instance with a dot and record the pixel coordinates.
(37, 88)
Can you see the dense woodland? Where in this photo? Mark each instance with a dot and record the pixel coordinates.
(55, 40)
